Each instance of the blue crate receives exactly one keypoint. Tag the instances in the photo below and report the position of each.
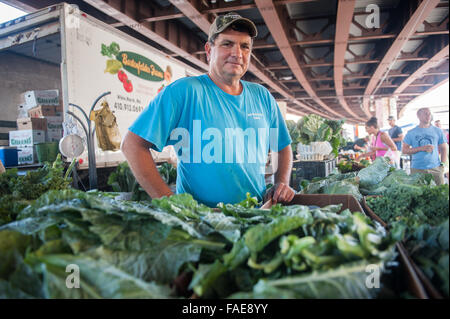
(9, 156)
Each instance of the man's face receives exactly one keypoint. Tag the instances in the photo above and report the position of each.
(230, 55)
(391, 122)
(437, 124)
(424, 116)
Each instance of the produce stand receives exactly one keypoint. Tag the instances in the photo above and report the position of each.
(420, 284)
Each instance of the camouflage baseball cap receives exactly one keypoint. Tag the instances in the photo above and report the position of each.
(222, 22)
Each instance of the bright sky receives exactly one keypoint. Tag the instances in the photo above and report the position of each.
(9, 13)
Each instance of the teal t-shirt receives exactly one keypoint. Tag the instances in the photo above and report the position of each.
(221, 140)
(420, 136)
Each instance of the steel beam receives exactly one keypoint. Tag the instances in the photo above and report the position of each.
(158, 33)
(342, 34)
(418, 17)
(193, 13)
(420, 72)
(278, 32)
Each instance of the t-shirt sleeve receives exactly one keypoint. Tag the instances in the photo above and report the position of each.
(441, 139)
(408, 139)
(279, 134)
(160, 117)
(399, 131)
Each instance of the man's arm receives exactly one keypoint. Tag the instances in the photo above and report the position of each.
(281, 192)
(408, 150)
(388, 141)
(140, 160)
(399, 138)
(443, 151)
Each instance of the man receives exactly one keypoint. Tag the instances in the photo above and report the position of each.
(422, 143)
(361, 144)
(210, 112)
(395, 132)
(396, 135)
(437, 123)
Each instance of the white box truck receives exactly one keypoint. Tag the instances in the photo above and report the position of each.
(94, 58)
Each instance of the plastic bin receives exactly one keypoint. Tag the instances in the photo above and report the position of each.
(47, 152)
(310, 169)
(9, 156)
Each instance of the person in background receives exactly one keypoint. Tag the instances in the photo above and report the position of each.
(361, 144)
(381, 142)
(396, 134)
(437, 123)
(422, 143)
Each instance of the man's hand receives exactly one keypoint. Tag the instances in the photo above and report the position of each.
(280, 192)
(428, 148)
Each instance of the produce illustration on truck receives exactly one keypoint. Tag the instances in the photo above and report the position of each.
(135, 64)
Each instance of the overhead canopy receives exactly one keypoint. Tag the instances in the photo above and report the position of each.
(329, 57)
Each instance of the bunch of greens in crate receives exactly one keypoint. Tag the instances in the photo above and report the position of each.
(314, 128)
(128, 249)
(300, 253)
(418, 214)
(136, 249)
(123, 180)
(18, 191)
(375, 179)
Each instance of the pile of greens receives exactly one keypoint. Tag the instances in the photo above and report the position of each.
(127, 249)
(419, 215)
(375, 179)
(18, 191)
(313, 128)
(123, 180)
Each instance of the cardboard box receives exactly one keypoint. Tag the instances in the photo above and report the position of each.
(54, 122)
(23, 110)
(27, 155)
(54, 135)
(33, 123)
(26, 138)
(42, 111)
(59, 110)
(44, 97)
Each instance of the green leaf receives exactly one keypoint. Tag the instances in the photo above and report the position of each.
(98, 279)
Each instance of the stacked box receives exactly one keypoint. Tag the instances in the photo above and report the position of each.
(54, 128)
(26, 138)
(25, 141)
(42, 111)
(34, 123)
(27, 155)
(44, 97)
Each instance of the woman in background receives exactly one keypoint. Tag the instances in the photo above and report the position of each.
(381, 142)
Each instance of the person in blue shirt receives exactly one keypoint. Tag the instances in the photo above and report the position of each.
(396, 135)
(422, 143)
(222, 128)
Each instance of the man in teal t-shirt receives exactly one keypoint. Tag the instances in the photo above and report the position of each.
(422, 143)
(221, 127)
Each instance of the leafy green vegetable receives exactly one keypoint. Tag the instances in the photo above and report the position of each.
(110, 51)
(418, 214)
(313, 128)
